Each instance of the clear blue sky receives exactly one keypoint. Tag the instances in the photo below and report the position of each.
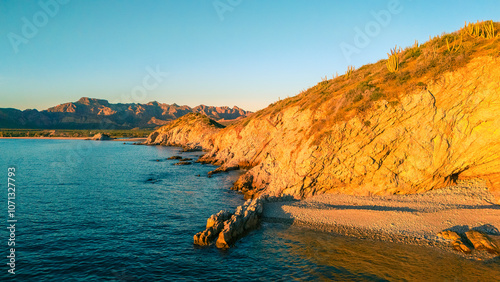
(216, 52)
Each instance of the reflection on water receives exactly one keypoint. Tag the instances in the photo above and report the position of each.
(327, 256)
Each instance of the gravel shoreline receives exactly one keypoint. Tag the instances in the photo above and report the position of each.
(412, 219)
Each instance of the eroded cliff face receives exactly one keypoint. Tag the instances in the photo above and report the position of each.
(435, 135)
(432, 137)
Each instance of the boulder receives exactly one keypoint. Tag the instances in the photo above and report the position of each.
(215, 224)
(449, 235)
(456, 241)
(482, 241)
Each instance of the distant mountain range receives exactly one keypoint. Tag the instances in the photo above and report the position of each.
(90, 113)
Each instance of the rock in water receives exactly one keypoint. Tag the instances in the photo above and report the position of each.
(245, 219)
(215, 224)
(183, 163)
(174, 158)
(227, 228)
(481, 241)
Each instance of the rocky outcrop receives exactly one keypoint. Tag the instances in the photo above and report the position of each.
(101, 137)
(245, 219)
(215, 224)
(228, 228)
(192, 132)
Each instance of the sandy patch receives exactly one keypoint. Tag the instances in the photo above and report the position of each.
(410, 218)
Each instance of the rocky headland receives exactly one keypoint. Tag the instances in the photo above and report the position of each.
(193, 131)
(374, 131)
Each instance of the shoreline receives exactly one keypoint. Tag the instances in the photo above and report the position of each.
(411, 219)
(135, 139)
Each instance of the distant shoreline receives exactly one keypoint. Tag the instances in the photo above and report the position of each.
(135, 139)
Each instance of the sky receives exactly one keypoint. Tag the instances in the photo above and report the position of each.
(245, 53)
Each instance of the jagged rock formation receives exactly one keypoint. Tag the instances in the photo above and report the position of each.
(215, 224)
(90, 113)
(245, 219)
(228, 228)
(221, 113)
(192, 131)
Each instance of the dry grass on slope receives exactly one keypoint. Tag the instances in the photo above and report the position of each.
(354, 94)
(190, 119)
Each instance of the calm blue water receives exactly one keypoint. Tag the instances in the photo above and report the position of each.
(105, 211)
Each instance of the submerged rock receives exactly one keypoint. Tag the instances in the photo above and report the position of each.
(174, 158)
(183, 163)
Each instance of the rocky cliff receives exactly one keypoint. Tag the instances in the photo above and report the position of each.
(90, 113)
(435, 120)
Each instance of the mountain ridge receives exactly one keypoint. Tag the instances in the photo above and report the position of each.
(93, 113)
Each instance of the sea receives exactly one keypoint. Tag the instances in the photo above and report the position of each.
(113, 211)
